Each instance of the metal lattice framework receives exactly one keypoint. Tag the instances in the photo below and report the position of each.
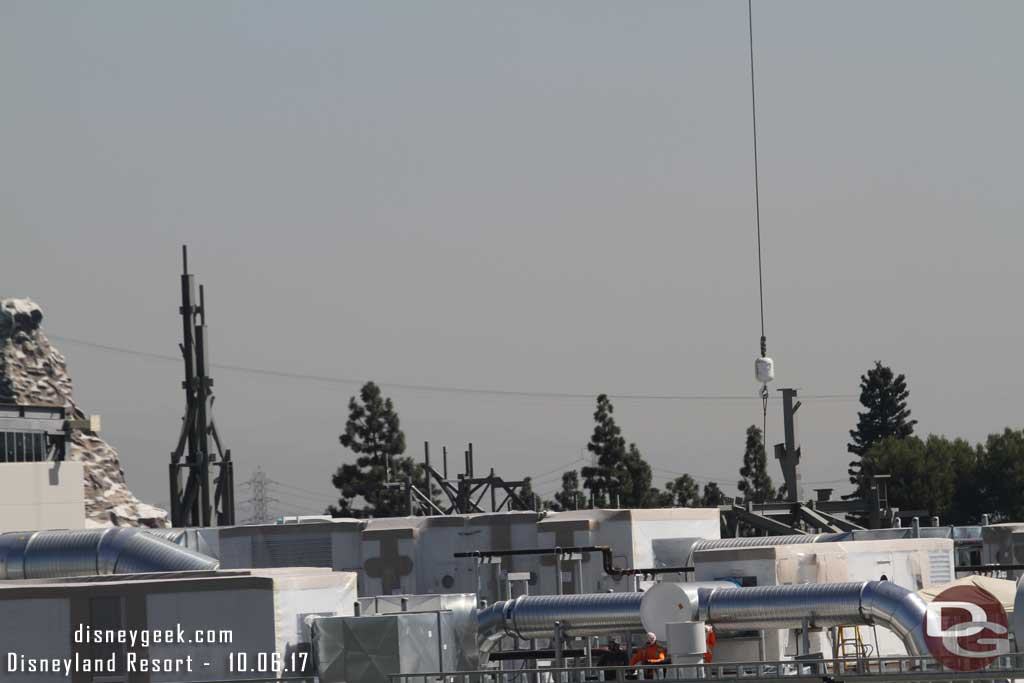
(466, 492)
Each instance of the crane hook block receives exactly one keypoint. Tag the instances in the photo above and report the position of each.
(764, 370)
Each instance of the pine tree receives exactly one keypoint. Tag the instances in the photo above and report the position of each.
(637, 483)
(685, 492)
(713, 496)
(884, 395)
(526, 496)
(608, 478)
(755, 484)
(374, 433)
(570, 496)
(1000, 475)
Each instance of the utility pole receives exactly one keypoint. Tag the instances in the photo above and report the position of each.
(788, 453)
(191, 505)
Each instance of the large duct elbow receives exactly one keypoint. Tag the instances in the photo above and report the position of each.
(93, 552)
(899, 610)
(490, 625)
(818, 605)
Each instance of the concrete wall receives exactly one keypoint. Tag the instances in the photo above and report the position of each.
(41, 495)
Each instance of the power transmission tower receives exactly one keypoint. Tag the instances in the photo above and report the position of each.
(259, 502)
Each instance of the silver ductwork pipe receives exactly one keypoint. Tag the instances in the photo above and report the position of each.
(689, 546)
(818, 605)
(534, 616)
(94, 552)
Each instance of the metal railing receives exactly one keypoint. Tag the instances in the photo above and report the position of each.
(874, 670)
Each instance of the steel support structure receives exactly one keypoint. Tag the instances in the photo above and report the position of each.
(792, 515)
(465, 493)
(788, 452)
(194, 504)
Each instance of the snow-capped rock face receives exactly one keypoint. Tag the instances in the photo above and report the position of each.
(32, 371)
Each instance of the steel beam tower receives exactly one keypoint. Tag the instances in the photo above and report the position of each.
(191, 505)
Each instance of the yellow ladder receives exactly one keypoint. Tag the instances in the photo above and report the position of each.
(851, 647)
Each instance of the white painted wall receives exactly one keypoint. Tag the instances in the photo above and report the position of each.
(41, 495)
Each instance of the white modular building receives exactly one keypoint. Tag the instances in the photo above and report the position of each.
(416, 555)
(631, 534)
(176, 626)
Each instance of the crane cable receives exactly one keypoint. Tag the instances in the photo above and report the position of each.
(757, 215)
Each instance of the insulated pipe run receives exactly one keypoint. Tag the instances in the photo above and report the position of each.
(94, 552)
(534, 616)
(819, 605)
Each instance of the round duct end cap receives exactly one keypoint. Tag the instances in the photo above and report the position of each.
(666, 603)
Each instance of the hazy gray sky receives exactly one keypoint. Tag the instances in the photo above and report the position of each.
(529, 196)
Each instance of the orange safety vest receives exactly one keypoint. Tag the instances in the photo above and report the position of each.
(648, 654)
(710, 642)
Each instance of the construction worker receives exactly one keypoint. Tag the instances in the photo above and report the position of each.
(613, 656)
(709, 641)
(650, 653)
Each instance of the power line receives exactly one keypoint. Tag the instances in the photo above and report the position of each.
(293, 499)
(326, 379)
(299, 510)
(299, 489)
(558, 470)
(549, 479)
(696, 477)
